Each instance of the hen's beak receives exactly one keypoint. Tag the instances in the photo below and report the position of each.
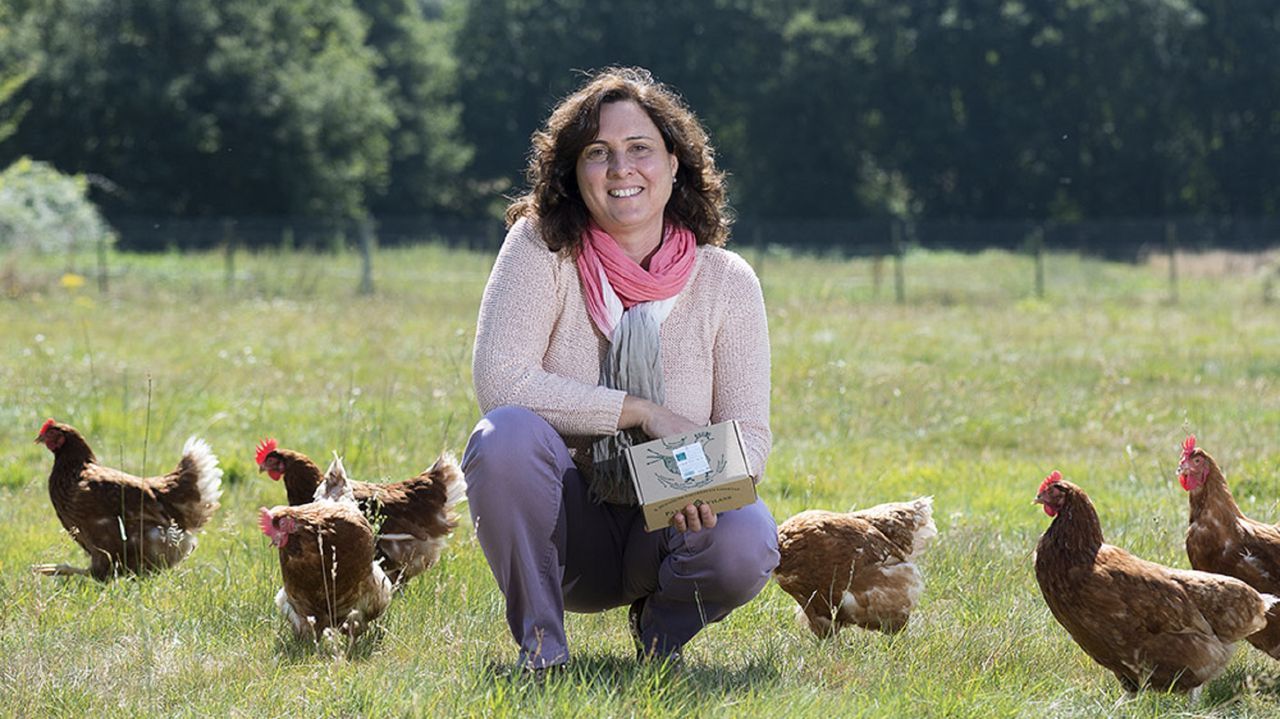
(1040, 500)
(39, 439)
(262, 468)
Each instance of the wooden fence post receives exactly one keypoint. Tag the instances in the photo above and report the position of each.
(1036, 242)
(102, 264)
(366, 256)
(877, 275)
(899, 250)
(1171, 246)
(229, 252)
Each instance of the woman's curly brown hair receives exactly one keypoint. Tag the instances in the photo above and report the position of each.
(697, 199)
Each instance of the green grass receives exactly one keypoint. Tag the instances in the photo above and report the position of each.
(971, 392)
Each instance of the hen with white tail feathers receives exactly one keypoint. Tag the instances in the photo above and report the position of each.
(127, 524)
(412, 518)
(332, 582)
(857, 567)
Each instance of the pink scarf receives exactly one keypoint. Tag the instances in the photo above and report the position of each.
(603, 266)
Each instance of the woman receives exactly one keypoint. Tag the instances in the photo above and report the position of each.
(612, 316)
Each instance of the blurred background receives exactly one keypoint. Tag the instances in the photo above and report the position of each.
(861, 126)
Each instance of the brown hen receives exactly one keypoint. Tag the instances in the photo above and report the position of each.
(412, 518)
(855, 568)
(1221, 539)
(1152, 626)
(332, 582)
(127, 524)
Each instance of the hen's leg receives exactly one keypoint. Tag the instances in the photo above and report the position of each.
(301, 626)
(818, 622)
(59, 570)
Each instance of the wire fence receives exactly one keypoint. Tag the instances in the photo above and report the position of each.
(1123, 240)
(884, 240)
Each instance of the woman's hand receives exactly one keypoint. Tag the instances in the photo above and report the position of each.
(694, 518)
(653, 419)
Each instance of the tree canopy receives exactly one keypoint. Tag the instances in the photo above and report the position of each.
(973, 109)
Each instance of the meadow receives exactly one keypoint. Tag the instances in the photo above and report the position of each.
(971, 391)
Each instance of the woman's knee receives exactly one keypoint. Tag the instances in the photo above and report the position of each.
(512, 450)
(508, 438)
(742, 553)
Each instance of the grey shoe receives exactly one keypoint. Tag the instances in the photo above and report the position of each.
(651, 653)
(633, 624)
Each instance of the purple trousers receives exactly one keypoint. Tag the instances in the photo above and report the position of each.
(553, 549)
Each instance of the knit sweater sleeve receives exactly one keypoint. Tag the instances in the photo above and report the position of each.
(518, 313)
(740, 386)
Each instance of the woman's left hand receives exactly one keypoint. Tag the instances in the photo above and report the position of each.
(694, 518)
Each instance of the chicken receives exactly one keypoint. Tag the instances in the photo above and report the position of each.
(127, 524)
(1221, 539)
(332, 582)
(1152, 626)
(856, 568)
(412, 518)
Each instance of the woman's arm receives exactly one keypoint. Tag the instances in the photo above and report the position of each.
(519, 309)
(740, 385)
(653, 419)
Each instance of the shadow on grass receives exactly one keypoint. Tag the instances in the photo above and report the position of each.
(613, 673)
(293, 649)
(1240, 681)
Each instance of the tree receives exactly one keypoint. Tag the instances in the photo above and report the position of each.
(16, 68)
(210, 108)
(419, 77)
(1234, 93)
(518, 57)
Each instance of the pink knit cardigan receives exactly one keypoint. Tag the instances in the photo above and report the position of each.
(536, 347)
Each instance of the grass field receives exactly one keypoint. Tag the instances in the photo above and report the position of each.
(971, 392)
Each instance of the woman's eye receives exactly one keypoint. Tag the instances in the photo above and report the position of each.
(640, 150)
(595, 154)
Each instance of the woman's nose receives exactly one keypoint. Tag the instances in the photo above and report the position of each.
(619, 165)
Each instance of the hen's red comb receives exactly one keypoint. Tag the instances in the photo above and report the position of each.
(1054, 476)
(264, 521)
(265, 447)
(1188, 446)
(45, 427)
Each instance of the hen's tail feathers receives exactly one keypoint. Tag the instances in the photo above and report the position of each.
(203, 463)
(335, 486)
(1270, 600)
(446, 471)
(925, 528)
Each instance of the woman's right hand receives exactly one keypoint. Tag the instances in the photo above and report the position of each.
(652, 418)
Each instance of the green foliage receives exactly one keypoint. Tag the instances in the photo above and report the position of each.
(974, 109)
(206, 107)
(939, 108)
(419, 77)
(518, 57)
(42, 210)
(16, 69)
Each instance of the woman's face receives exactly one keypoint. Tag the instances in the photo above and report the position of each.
(625, 174)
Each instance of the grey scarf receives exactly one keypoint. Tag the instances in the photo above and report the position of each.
(633, 364)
